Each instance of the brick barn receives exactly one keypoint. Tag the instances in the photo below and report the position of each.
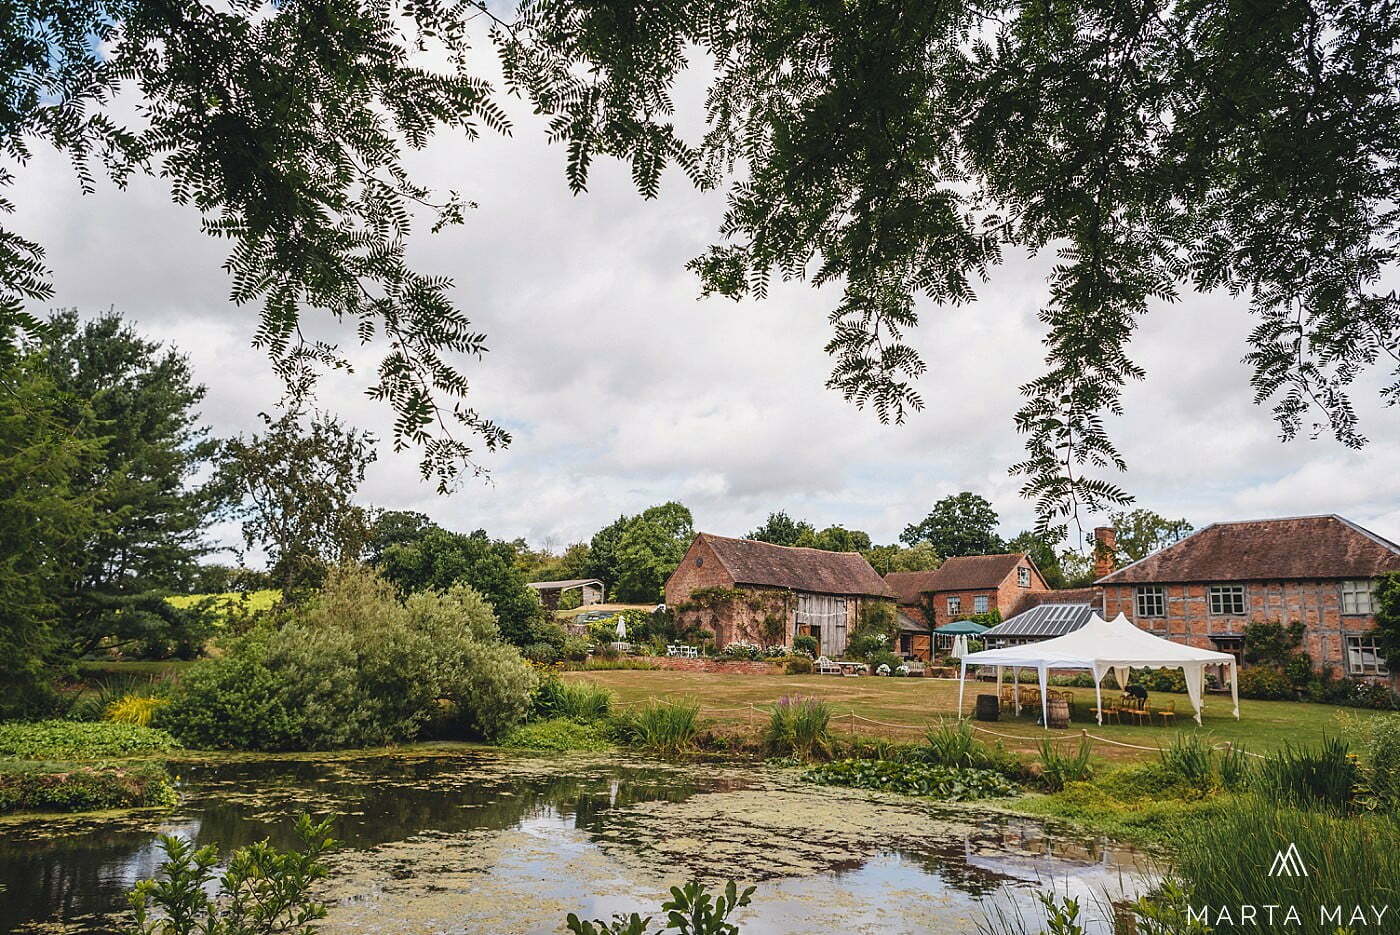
(1317, 570)
(757, 592)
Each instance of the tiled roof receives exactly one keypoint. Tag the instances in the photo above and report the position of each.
(762, 563)
(1297, 548)
(963, 573)
(1045, 621)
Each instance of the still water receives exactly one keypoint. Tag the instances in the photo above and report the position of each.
(488, 843)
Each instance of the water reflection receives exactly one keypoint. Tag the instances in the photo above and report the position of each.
(569, 838)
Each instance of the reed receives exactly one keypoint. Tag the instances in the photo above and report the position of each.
(799, 727)
(665, 727)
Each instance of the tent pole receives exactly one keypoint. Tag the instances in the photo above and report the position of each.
(962, 680)
(1016, 688)
(1098, 696)
(1235, 687)
(1044, 702)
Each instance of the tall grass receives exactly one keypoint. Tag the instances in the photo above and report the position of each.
(1307, 777)
(665, 727)
(1236, 769)
(1191, 759)
(799, 727)
(1058, 768)
(581, 701)
(1350, 860)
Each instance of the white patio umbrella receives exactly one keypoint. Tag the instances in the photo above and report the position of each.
(959, 646)
(621, 627)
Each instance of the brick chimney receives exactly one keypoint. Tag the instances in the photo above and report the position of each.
(1105, 551)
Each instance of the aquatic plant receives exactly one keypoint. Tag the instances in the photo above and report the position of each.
(1191, 759)
(1310, 777)
(263, 890)
(1377, 740)
(581, 700)
(1236, 769)
(79, 787)
(665, 727)
(799, 727)
(691, 910)
(560, 735)
(948, 783)
(1057, 769)
(60, 740)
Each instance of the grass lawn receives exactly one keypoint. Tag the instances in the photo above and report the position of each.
(1264, 726)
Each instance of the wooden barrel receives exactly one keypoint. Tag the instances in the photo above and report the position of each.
(1057, 710)
(988, 708)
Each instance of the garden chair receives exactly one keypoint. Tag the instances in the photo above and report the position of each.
(1136, 708)
(672, 649)
(1108, 712)
(826, 667)
(915, 666)
(1167, 713)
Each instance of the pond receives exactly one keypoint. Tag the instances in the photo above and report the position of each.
(490, 842)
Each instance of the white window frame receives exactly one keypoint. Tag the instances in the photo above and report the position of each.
(954, 605)
(1359, 597)
(1217, 594)
(1155, 604)
(980, 604)
(1023, 576)
(1363, 656)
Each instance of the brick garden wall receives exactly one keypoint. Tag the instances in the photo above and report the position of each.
(746, 667)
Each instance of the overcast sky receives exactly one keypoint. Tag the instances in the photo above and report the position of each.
(623, 389)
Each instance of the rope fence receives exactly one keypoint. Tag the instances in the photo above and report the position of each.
(850, 718)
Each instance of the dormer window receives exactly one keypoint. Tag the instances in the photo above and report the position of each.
(1023, 576)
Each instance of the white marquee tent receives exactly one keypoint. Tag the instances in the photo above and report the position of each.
(1103, 646)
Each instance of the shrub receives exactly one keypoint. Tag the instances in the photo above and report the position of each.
(93, 703)
(805, 642)
(1322, 777)
(948, 783)
(134, 709)
(559, 734)
(71, 787)
(262, 889)
(1264, 684)
(668, 728)
(777, 651)
(355, 667)
(1157, 680)
(741, 650)
(581, 701)
(1191, 759)
(799, 727)
(575, 649)
(865, 645)
(1378, 739)
(885, 658)
(798, 665)
(542, 653)
(1058, 769)
(59, 740)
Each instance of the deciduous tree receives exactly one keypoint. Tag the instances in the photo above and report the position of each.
(963, 524)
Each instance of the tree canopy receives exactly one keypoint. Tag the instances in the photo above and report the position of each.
(143, 398)
(896, 149)
(1141, 532)
(962, 524)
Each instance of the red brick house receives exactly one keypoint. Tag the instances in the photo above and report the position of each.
(1317, 570)
(961, 587)
(757, 592)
